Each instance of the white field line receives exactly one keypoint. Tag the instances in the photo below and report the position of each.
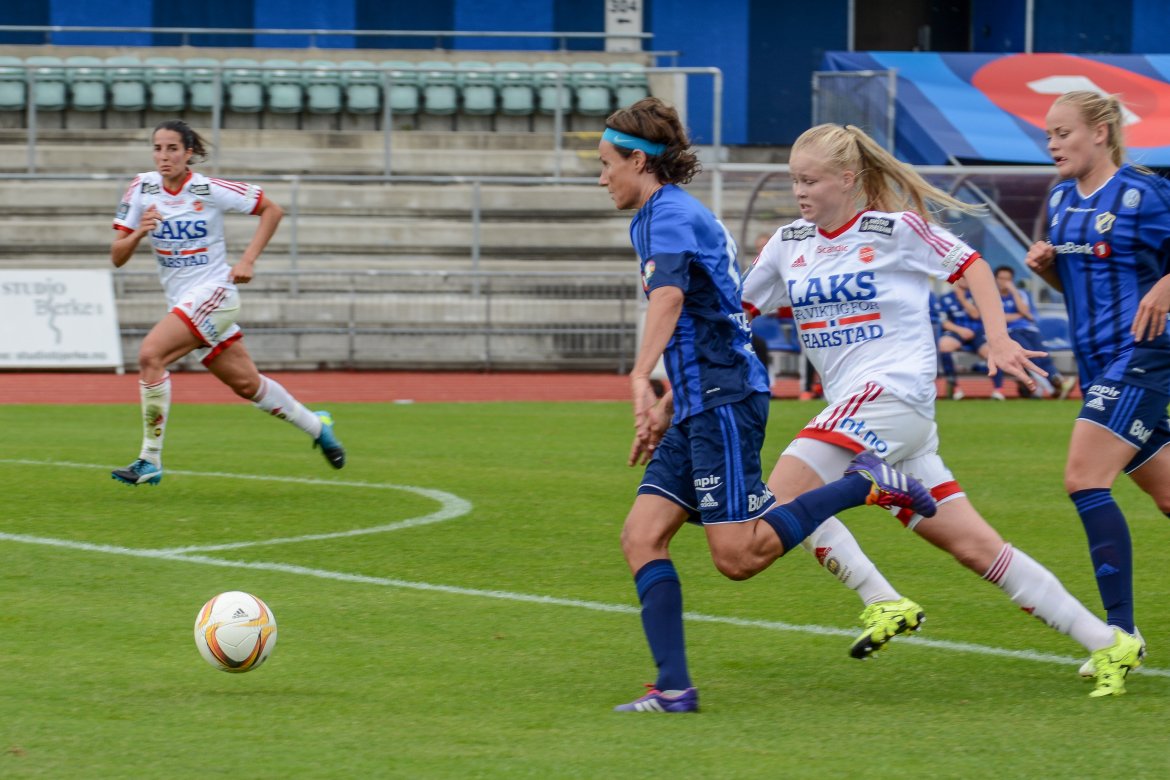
(450, 506)
(502, 595)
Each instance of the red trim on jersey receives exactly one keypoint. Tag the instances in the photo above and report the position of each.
(831, 437)
(784, 312)
(238, 187)
(859, 318)
(814, 324)
(963, 268)
(259, 200)
(182, 315)
(123, 228)
(750, 309)
(182, 184)
(220, 347)
(843, 228)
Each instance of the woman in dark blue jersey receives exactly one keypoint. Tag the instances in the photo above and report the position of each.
(701, 441)
(1108, 251)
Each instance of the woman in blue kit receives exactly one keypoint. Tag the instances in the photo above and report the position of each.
(1108, 252)
(701, 441)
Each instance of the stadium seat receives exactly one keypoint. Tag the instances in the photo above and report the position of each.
(477, 87)
(127, 83)
(363, 86)
(546, 75)
(404, 95)
(87, 83)
(13, 84)
(515, 85)
(629, 83)
(244, 85)
(590, 82)
(1054, 334)
(286, 93)
(50, 91)
(322, 83)
(780, 336)
(165, 80)
(439, 87)
(200, 78)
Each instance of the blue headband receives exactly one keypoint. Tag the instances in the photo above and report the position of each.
(626, 141)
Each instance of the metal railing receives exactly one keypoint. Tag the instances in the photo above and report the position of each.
(186, 34)
(421, 319)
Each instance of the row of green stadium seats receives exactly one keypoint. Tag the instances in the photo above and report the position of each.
(126, 83)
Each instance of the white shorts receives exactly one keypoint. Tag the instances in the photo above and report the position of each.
(883, 424)
(211, 311)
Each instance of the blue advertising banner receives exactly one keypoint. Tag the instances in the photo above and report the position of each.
(991, 107)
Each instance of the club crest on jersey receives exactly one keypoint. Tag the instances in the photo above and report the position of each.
(1104, 222)
(149, 189)
(798, 233)
(866, 254)
(883, 225)
(197, 205)
(1054, 201)
(1131, 199)
(200, 189)
(647, 272)
(123, 210)
(798, 262)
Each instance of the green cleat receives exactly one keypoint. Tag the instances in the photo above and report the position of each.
(883, 621)
(1114, 662)
(1088, 670)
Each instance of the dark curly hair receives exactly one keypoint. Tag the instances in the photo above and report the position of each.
(655, 121)
(191, 139)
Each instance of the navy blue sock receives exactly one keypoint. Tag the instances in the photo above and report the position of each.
(661, 595)
(1111, 551)
(948, 366)
(795, 520)
(997, 380)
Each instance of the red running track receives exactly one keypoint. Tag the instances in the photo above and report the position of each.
(313, 387)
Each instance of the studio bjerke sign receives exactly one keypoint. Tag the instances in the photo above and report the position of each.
(58, 319)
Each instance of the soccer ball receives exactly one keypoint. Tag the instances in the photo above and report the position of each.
(235, 631)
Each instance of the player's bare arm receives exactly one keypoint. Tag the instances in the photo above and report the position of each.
(1040, 259)
(1150, 321)
(1004, 353)
(127, 241)
(270, 215)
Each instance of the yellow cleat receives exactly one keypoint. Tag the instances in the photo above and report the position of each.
(1113, 663)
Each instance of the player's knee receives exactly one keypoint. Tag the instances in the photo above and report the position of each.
(639, 542)
(733, 566)
(245, 387)
(149, 357)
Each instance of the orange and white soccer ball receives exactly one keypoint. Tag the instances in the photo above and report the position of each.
(235, 631)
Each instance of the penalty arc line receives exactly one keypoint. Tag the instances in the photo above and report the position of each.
(595, 606)
(451, 506)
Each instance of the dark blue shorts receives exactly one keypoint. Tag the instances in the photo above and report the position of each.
(1135, 414)
(973, 345)
(709, 464)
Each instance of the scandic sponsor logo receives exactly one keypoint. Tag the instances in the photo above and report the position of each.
(832, 249)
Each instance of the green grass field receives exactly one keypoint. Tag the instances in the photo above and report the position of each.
(490, 634)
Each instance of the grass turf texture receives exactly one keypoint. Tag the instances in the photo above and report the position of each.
(99, 676)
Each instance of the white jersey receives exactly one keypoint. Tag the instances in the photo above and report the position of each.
(189, 243)
(860, 297)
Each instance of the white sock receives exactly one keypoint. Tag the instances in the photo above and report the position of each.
(156, 408)
(1037, 591)
(835, 549)
(278, 402)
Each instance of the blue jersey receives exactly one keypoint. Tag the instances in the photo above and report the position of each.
(950, 308)
(1009, 307)
(1111, 248)
(709, 359)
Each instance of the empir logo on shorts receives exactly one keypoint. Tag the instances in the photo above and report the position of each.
(709, 482)
(870, 439)
(1099, 394)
